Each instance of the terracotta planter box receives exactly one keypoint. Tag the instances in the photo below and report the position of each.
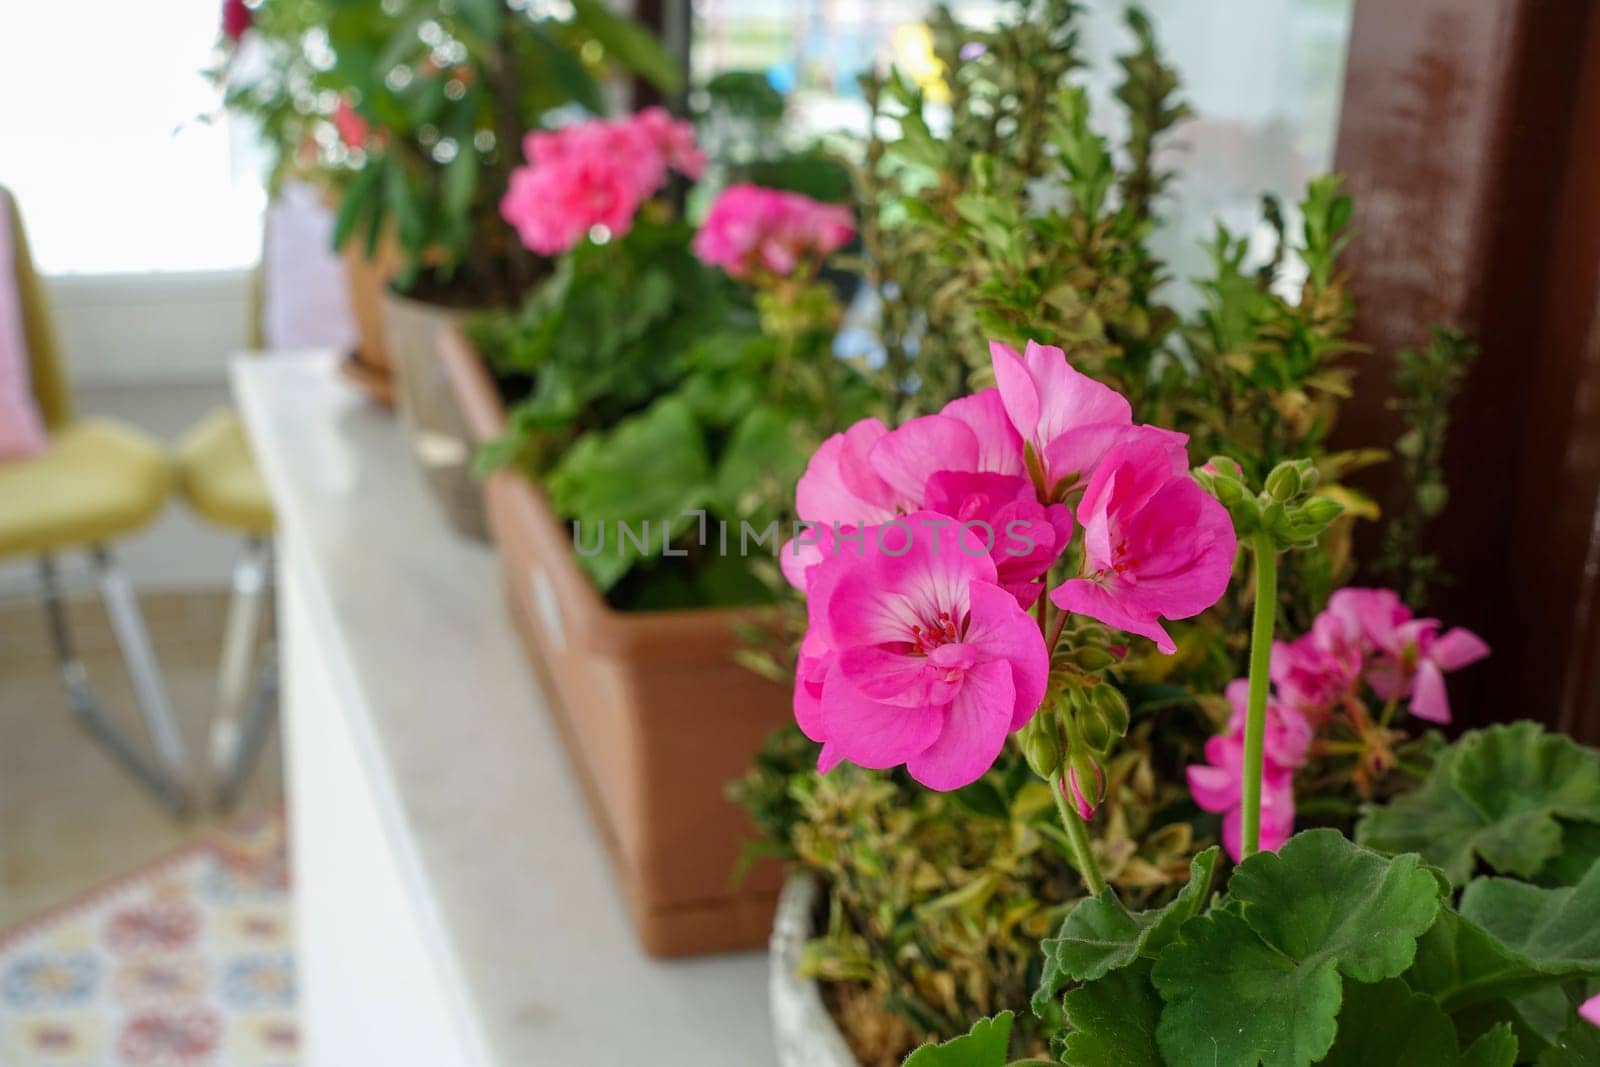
(656, 715)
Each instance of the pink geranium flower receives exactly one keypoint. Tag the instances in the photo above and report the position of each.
(674, 139)
(1217, 787)
(592, 175)
(1590, 1010)
(1413, 660)
(916, 655)
(1156, 545)
(751, 231)
(351, 126)
(1068, 420)
(964, 462)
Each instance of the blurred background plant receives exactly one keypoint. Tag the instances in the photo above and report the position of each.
(414, 111)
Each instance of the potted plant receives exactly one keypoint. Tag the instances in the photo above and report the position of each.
(973, 262)
(643, 419)
(417, 112)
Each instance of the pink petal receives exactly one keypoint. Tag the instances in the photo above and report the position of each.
(974, 732)
(1233, 833)
(1214, 789)
(1001, 631)
(829, 758)
(909, 455)
(883, 592)
(1096, 601)
(1068, 398)
(999, 444)
(1372, 614)
(839, 484)
(1429, 699)
(895, 678)
(1081, 449)
(871, 734)
(1456, 648)
(1590, 1010)
(1018, 393)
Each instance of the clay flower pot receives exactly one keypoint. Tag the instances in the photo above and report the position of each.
(656, 715)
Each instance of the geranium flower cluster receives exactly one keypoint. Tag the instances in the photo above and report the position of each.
(921, 549)
(751, 230)
(1365, 639)
(594, 175)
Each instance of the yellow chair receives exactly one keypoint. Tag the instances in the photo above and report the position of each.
(218, 476)
(96, 482)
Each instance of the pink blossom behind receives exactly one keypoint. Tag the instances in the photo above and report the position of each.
(751, 231)
(594, 174)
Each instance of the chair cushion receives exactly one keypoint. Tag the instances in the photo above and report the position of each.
(97, 481)
(218, 475)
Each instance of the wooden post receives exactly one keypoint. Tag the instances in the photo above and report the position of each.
(1470, 138)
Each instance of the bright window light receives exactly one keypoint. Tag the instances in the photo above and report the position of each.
(103, 143)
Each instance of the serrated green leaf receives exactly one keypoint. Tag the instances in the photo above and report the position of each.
(1100, 935)
(1555, 928)
(1459, 964)
(1385, 1024)
(1261, 980)
(1234, 1000)
(1114, 1021)
(988, 1044)
(1496, 795)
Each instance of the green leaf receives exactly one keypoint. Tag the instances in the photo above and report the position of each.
(1496, 1048)
(650, 469)
(761, 450)
(353, 204)
(1578, 1046)
(1555, 928)
(564, 70)
(1114, 1021)
(630, 44)
(987, 1045)
(1495, 795)
(1459, 964)
(1263, 983)
(1385, 1024)
(1099, 935)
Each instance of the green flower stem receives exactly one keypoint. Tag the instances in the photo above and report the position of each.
(1255, 728)
(1080, 852)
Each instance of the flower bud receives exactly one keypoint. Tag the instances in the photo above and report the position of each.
(1041, 745)
(1320, 511)
(1283, 484)
(1083, 771)
(1112, 707)
(1223, 467)
(1091, 658)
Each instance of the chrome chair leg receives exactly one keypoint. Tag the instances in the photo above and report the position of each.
(238, 732)
(166, 778)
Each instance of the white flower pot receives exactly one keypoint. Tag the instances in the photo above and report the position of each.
(806, 1034)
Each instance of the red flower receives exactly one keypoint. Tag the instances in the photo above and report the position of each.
(236, 18)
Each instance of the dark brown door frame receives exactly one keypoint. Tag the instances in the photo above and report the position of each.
(1470, 137)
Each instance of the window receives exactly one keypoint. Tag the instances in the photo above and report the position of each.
(102, 140)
